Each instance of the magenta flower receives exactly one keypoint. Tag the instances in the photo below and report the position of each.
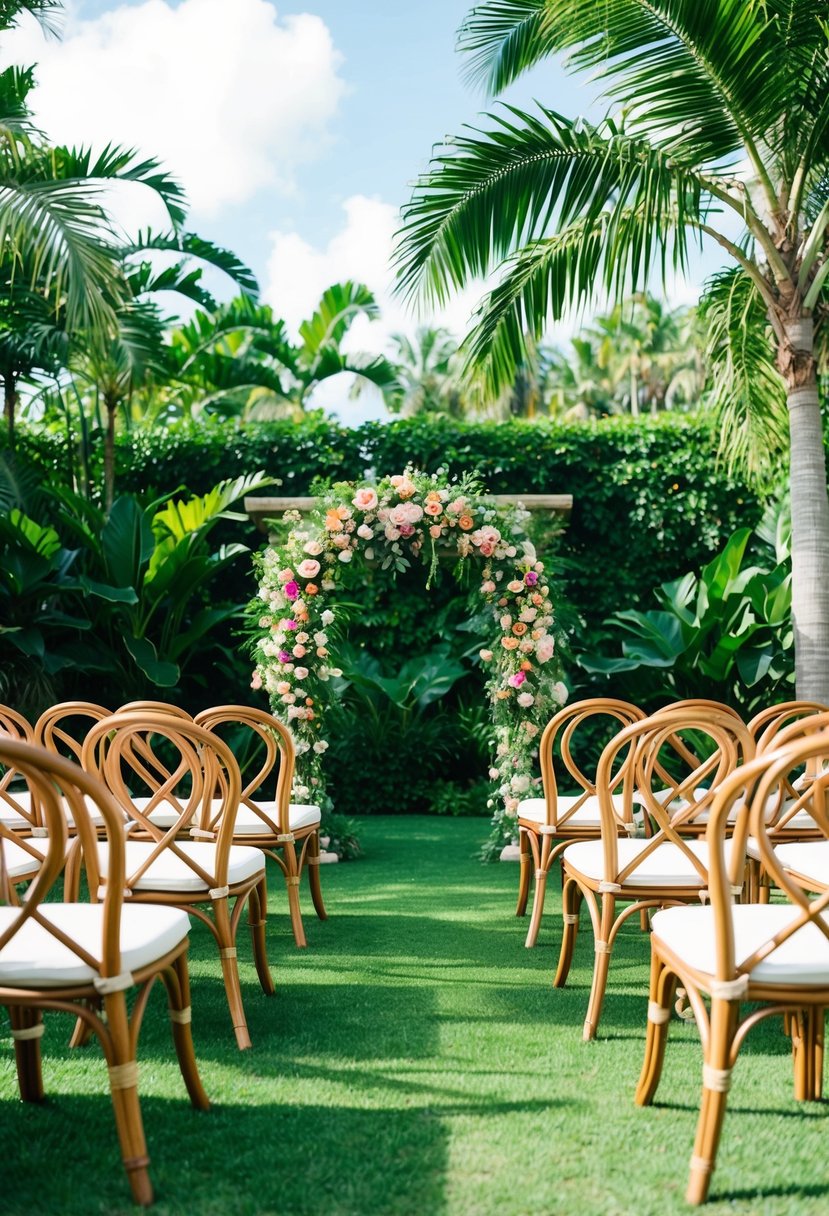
(285, 656)
(530, 578)
(518, 679)
(290, 624)
(291, 590)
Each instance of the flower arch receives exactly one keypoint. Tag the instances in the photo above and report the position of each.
(395, 522)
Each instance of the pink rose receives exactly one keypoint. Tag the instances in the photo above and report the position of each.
(284, 656)
(285, 575)
(406, 530)
(365, 499)
(301, 673)
(486, 655)
(435, 531)
(433, 508)
(308, 569)
(525, 700)
(531, 578)
(405, 513)
(299, 651)
(291, 590)
(392, 533)
(515, 586)
(487, 549)
(282, 687)
(314, 547)
(487, 587)
(256, 681)
(544, 650)
(365, 532)
(518, 679)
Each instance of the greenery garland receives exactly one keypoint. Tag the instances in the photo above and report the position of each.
(412, 516)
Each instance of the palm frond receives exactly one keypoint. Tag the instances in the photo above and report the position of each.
(339, 306)
(47, 12)
(747, 393)
(195, 246)
(489, 193)
(503, 39)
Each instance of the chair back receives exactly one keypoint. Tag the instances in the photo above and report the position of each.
(115, 750)
(559, 766)
(749, 791)
(63, 728)
(17, 809)
(789, 814)
(682, 808)
(276, 751)
(766, 725)
(58, 786)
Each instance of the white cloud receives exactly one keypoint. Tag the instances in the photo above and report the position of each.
(231, 96)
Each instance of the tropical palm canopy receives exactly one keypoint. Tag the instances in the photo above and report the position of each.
(717, 128)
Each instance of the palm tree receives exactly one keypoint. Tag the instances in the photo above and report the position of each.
(722, 119)
(428, 372)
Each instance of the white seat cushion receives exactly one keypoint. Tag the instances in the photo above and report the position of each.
(802, 959)
(18, 861)
(534, 810)
(666, 866)
(34, 958)
(171, 873)
(247, 823)
(301, 815)
(809, 859)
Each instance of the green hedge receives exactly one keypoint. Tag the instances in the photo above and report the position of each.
(650, 500)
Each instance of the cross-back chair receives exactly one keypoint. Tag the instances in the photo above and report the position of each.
(287, 832)
(668, 863)
(16, 810)
(775, 955)
(547, 825)
(78, 957)
(208, 876)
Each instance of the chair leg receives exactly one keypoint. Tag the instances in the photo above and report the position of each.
(715, 1084)
(177, 981)
(807, 1040)
(539, 892)
(312, 861)
(292, 883)
(601, 966)
(123, 1084)
(661, 995)
(571, 897)
(525, 873)
(230, 973)
(27, 1029)
(257, 917)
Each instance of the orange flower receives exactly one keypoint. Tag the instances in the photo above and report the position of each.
(466, 522)
(343, 513)
(333, 522)
(519, 629)
(509, 643)
(311, 589)
(526, 665)
(309, 700)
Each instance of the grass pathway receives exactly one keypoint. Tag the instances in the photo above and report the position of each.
(415, 1062)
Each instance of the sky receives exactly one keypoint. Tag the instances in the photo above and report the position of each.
(296, 129)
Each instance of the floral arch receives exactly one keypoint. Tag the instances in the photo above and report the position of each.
(393, 523)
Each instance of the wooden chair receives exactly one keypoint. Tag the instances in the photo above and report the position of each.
(163, 869)
(72, 957)
(666, 865)
(776, 955)
(278, 826)
(547, 825)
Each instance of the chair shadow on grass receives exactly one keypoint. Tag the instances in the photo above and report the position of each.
(243, 1158)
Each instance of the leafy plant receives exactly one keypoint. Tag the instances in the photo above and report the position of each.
(725, 632)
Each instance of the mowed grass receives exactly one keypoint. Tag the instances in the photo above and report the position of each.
(416, 1060)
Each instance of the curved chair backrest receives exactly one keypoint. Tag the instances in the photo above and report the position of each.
(279, 754)
(748, 792)
(558, 737)
(63, 728)
(768, 723)
(154, 771)
(17, 809)
(791, 816)
(114, 750)
(59, 786)
(687, 807)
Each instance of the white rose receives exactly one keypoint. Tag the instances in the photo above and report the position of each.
(327, 617)
(344, 555)
(301, 673)
(320, 746)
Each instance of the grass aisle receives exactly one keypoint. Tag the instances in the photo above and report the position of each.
(415, 1062)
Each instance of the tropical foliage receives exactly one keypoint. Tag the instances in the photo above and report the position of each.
(717, 117)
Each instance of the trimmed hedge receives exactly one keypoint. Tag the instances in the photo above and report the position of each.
(650, 500)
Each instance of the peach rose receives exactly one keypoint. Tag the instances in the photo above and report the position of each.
(309, 568)
(333, 522)
(466, 522)
(509, 643)
(365, 499)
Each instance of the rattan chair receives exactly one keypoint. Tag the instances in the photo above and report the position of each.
(773, 954)
(16, 810)
(666, 865)
(547, 825)
(208, 869)
(287, 832)
(75, 958)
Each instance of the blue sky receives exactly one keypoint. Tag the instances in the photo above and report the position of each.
(296, 128)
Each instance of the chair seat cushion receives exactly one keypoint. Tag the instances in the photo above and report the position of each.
(11, 818)
(809, 859)
(802, 959)
(34, 958)
(18, 861)
(588, 815)
(247, 823)
(171, 873)
(300, 816)
(666, 866)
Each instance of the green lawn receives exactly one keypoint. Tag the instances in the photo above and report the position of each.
(416, 1060)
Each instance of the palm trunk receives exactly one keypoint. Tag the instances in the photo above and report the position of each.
(810, 515)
